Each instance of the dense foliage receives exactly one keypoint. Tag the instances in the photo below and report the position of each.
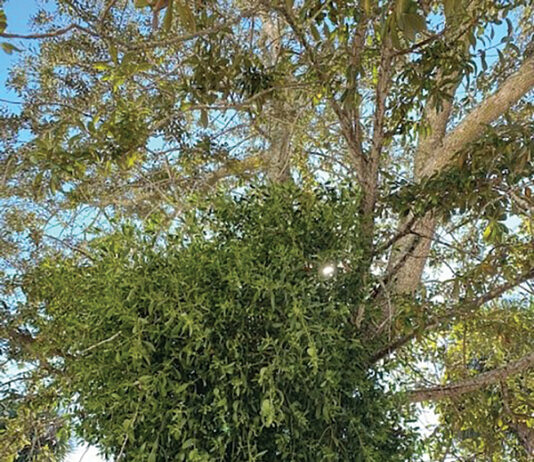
(32, 431)
(490, 421)
(226, 342)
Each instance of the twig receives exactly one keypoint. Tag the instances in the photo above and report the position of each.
(55, 33)
(84, 454)
(123, 446)
(108, 7)
(102, 342)
(70, 246)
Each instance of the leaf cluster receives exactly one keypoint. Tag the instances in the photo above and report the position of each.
(222, 341)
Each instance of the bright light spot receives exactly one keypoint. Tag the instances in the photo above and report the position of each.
(327, 270)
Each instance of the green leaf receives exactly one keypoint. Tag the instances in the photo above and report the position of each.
(489, 231)
(101, 66)
(451, 7)
(267, 412)
(391, 28)
(3, 21)
(204, 120)
(416, 21)
(402, 7)
(113, 53)
(367, 7)
(9, 48)
(153, 454)
(411, 24)
(315, 32)
(314, 358)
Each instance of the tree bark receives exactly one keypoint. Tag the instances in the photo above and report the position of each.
(436, 152)
(281, 117)
(413, 249)
(473, 384)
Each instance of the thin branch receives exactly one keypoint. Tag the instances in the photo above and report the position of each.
(70, 246)
(55, 33)
(356, 53)
(7, 101)
(404, 229)
(400, 342)
(107, 9)
(432, 37)
(102, 342)
(346, 124)
(186, 37)
(458, 309)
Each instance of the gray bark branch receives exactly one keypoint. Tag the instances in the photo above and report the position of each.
(474, 124)
(480, 381)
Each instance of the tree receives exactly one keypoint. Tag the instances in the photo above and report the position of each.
(126, 121)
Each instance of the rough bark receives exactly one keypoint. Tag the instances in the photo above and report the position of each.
(437, 151)
(473, 384)
(413, 249)
(280, 133)
(408, 257)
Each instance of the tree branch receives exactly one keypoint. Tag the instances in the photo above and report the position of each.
(377, 141)
(70, 246)
(473, 384)
(186, 37)
(355, 53)
(55, 33)
(102, 342)
(346, 124)
(473, 125)
(107, 9)
(458, 309)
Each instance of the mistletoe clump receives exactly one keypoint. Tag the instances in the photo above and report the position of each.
(225, 341)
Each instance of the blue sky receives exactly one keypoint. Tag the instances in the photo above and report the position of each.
(18, 13)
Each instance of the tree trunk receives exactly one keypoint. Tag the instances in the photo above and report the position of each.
(409, 256)
(436, 152)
